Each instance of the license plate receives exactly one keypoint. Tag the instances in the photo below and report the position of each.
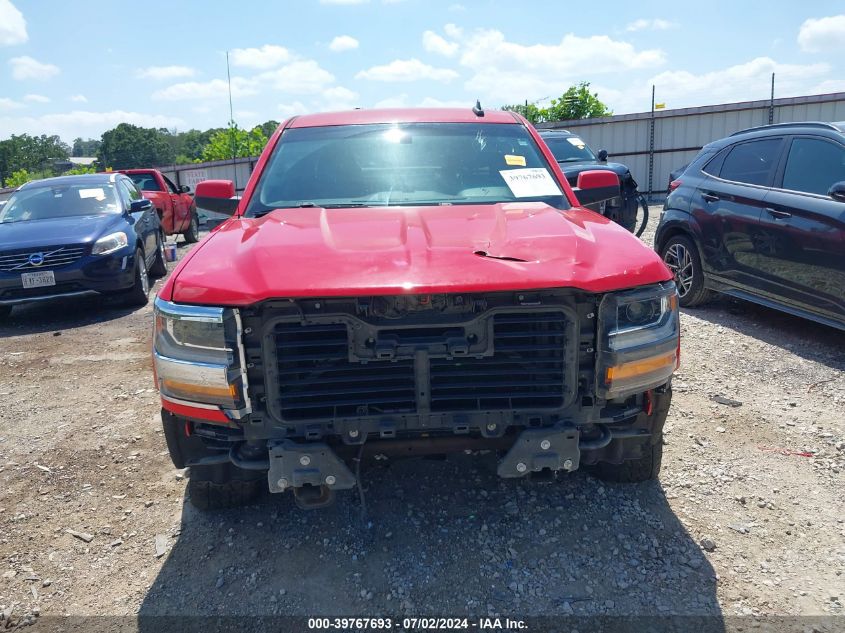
(39, 279)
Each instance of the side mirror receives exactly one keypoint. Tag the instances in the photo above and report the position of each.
(217, 196)
(837, 191)
(137, 206)
(184, 189)
(596, 185)
(603, 155)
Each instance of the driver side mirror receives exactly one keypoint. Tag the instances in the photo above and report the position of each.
(837, 191)
(217, 196)
(596, 185)
(137, 206)
(184, 189)
(603, 155)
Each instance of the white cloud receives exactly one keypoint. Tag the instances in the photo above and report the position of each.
(33, 98)
(86, 124)
(300, 77)
(343, 43)
(398, 101)
(12, 25)
(79, 99)
(457, 8)
(289, 109)
(655, 24)
(433, 43)
(216, 88)
(431, 102)
(9, 104)
(339, 98)
(817, 35)
(165, 72)
(26, 67)
(407, 70)
(268, 56)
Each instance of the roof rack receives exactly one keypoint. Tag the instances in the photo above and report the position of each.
(773, 126)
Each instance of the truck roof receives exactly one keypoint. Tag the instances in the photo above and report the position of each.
(403, 115)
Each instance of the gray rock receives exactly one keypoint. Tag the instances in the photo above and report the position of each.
(82, 536)
(708, 544)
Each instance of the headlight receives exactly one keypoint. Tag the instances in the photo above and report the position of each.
(198, 356)
(110, 243)
(639, 335)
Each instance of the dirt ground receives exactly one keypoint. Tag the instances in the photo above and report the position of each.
(747, 518)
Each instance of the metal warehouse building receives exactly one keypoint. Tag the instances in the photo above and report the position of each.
(679, 134)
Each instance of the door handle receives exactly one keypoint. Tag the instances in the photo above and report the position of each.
(778, 215)
(709, 197)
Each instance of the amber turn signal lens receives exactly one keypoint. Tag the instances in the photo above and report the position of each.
(191, 391)
(641, 367)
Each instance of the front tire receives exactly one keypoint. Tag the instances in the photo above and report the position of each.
(681, 257)
(159, 267)
(222, 486)
(192, 234)
(139, 294)
(645, 468)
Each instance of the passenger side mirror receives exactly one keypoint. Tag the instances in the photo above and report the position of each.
(137, 206)
(837, 191)
(185, 189)
(217, 196)
(603, 155)
(596, 185)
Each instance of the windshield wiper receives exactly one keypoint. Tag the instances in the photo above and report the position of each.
(313, 205)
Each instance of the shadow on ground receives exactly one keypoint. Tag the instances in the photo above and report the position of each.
(441, 538)
(63, 314)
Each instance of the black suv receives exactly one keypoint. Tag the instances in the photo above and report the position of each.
(760, 215)
(574, 156)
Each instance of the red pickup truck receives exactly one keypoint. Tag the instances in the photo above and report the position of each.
(408, 282)
(175, 206)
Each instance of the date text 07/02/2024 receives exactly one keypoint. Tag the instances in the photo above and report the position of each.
(414, 624)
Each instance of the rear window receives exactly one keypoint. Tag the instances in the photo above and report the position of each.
(145, 182)
(569, 149)
(403, 165)
(753, 162)
(60, 201)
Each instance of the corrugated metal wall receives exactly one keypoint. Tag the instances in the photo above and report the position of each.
(679, 134)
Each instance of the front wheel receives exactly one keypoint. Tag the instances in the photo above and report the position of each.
(222, 486)
(192, 234)
(139, 294)
(637, 470)
(681, 257)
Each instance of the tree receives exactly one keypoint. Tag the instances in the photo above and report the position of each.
(222, 143)
(576, 103)
(268, 127)
(128, 146)
(30, 153)
(85, 148)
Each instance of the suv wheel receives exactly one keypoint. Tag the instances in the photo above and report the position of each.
(681, 257)
(139, 294)
(222, 486)
(159, 267)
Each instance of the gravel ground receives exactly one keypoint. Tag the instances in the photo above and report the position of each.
(746, 518)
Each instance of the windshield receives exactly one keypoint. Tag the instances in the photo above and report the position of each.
(569, 149)
(60, 201)
(403, 165)
(145, 182)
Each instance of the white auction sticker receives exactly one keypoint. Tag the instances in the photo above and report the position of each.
(527, 183)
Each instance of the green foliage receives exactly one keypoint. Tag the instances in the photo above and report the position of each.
(576, 103)
(23, 176)
(224, 144)
(82, 169)
(128, 146)
(30, 153)
(85, 148)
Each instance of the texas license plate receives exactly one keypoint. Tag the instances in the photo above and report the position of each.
(39, 279)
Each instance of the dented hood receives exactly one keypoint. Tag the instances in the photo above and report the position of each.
(428, 249)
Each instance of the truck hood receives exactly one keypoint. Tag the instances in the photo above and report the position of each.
(396, 250)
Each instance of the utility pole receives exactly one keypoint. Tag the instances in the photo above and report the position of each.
(772, 102)
(232, 126)
(651, 146)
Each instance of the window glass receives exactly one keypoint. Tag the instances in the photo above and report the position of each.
(130, 190)
(569, 149)
(814, 165)
(170, 185)
(146, 182)
(752, 162)
(405, 164)
(714, 166)
(53, 200)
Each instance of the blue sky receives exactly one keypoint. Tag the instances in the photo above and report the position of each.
(79, 68)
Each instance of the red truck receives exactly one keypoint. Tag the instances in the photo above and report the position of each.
(175, 205)
(408, 282)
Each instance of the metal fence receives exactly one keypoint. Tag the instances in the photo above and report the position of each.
(679, 134)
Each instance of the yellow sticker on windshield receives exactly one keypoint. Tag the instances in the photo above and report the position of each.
(515, 161)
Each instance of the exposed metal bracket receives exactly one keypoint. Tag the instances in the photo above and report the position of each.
(539, 449)
(294, 465)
